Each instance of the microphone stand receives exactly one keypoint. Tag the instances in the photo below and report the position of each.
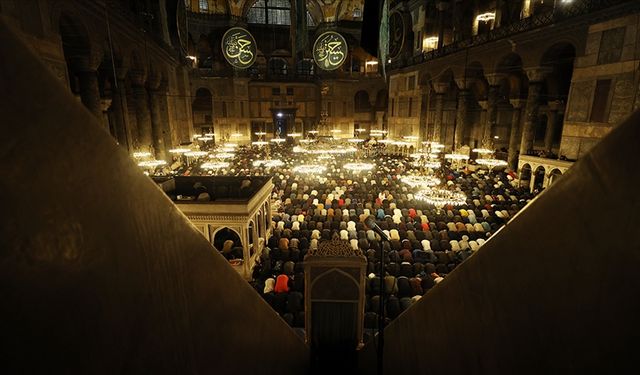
(380, 353)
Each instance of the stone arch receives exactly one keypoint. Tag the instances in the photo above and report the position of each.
(553, 175)
(348, 282)
(202, 110)
(204, 51)
(361, 101)
(514, 81)
(278, 66)
(560, 56)
(525, 174)
(539, 176)
(221, 234)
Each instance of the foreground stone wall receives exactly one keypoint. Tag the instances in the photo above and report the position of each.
(99, 272)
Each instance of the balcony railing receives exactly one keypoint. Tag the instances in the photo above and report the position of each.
(560, 13)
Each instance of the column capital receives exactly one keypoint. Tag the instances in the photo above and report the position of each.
(83, 63)
(538, 73)
(484, 104)
(465, 83)
(517, 103)
(138, 77)
(557, 106)
(441, 88)
(494, 79)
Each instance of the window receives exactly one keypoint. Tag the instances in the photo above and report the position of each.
(203, 5)
(275, 91)
(600, 101)
(357, 13)
(411, 83)
(272, 12)
(289, 91)
(611, 45)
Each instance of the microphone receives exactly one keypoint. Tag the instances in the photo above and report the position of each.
(370, 222)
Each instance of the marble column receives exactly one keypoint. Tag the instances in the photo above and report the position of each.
(141, 106)
(554, 122)
(85, 68)
(157, 93)
(514, 135)
(120, 109)
(462, 117)
(532, 109)
(492, 105)
(423, 130)
(440, 90)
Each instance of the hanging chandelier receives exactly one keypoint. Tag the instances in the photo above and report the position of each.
(418, 181)
(196, 154)
(295, 135)
(492, 163)
(141, 154)
(223, 155)
(278, 140)
(259, 143)
(179, 150)
(482, 151)
(358, 167)
(309, 168)
(441, 197)
(456, 156)
(151, 163)
(268, 163)
(215, 165)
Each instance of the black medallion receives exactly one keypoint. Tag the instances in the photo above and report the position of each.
(396, 34)
(330, 50)
(239, 47)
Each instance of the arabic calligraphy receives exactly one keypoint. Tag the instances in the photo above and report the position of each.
(330, 50)
(239, 47)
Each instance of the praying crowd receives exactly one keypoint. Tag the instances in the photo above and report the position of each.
(427, 242)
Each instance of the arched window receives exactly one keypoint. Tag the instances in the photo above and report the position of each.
(272, 12)
(203, 5)
(305, 68)
(278, 66)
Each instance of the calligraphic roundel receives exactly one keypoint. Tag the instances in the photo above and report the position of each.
(239, 48)
(396, 34)
(330, 50)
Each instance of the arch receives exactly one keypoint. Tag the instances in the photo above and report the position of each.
(339, 278)
(538, 177)
(560, 56)
(278, 66)
(525, 174)
(221, 234)
(361, 101)
(74, 35)
(553, 175)
(202, 110)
